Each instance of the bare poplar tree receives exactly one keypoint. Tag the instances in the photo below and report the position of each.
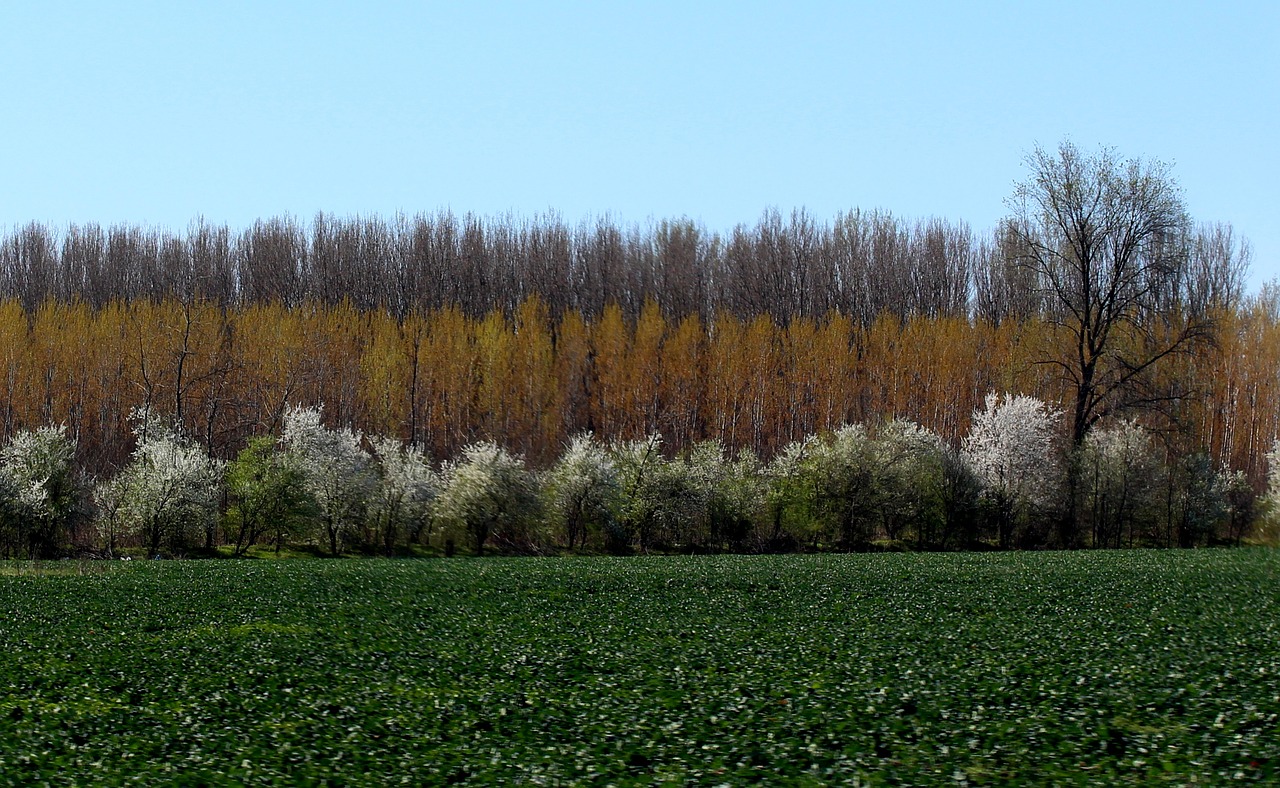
(1217, 267)
(1003, 289)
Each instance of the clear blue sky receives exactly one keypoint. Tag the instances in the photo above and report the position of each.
(158, 112)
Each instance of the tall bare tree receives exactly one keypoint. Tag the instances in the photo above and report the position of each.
(1105, 237)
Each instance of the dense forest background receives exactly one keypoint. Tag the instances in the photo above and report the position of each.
(442, 331)
(1090, 373)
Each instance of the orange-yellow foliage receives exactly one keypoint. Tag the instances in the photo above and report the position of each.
(531, 379)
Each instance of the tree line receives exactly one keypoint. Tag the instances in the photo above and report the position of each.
(673, 401)
(862, 264)
(442, 380)
(891, 485)
(1097, 295)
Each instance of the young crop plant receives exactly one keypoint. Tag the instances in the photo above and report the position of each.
(1090, 668)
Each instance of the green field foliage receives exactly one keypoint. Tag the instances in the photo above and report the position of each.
(948, 669)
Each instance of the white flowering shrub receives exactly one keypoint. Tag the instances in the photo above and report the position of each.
(1120, 478)
(639, 465)
(909, 476)
(168, 494)
(339, 474)
(784, 497)
(1012, 448)
(839, 487)
(961, 494)
(39, 491)
(662, 502)
(580, 492)
(1270, 504)
(1199, 506)
(1273, 472)
(851, 488)
(705, 470)
(488, 494)
(734, 495)
(1240, 504)
(407, 487)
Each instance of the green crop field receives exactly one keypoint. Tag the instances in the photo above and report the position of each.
(1070, 668)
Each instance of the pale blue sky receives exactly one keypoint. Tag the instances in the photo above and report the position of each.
(158, 112)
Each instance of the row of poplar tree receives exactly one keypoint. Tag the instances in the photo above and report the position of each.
(893, 485)
(861, 264)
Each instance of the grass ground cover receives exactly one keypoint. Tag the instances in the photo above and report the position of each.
(1074, 668)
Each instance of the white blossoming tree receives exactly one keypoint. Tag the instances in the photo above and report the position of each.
(1273, 472)
(1120, 478)
(840, 475)
(732, 492)
(488, 494)
(340, 475)
(407, 487)
(661, 501)
(580, 492)
(1270, 504)
(785, 494)
(167, 495)
(910, 477)
(1199, 503)
(1012, 448)
(1240, 504)
(851, 487)
(640, 465)
(38, 486)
